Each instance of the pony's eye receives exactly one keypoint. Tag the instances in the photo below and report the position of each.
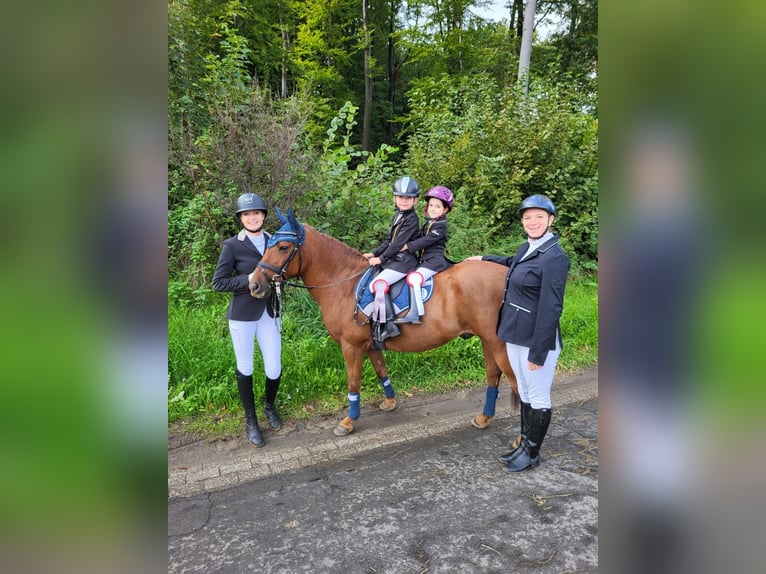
(283, 247)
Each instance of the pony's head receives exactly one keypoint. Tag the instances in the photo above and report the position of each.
(281, 248)
(292, 230)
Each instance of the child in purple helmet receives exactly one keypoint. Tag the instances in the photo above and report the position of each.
(431, 242)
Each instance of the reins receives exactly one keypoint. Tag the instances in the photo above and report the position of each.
(275, 276)
(333, 284)
(277, 280)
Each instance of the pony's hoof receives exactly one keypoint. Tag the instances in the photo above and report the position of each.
(388, 404)
(515, 444)
(344, 428)
(481, 421)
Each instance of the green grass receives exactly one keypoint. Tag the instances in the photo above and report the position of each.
(579, 324)
(202, 390)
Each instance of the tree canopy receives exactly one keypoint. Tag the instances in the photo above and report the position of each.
(269, 96)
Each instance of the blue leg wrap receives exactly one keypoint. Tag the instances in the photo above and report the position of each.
(489, 403)
(388, 388)
(353, 406)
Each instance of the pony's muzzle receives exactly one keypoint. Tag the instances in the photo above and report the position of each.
(259, 291)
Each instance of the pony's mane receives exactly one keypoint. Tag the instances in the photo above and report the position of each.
(344, 248)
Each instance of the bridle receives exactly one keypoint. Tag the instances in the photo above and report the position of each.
(277, 277)
(279, 274)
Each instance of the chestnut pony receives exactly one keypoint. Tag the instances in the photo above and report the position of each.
(465, 302)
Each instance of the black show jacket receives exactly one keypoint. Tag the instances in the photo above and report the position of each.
(404, 228)
(237, 260)
(534, 298)
(433, 241)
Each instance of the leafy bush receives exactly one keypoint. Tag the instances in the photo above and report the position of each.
(494, 146)
(351, 195)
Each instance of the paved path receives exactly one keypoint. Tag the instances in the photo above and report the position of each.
(209, 466)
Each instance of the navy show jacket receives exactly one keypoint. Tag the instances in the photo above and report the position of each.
(534, 298)
(433, 241)
(237, 260)
(404, 228)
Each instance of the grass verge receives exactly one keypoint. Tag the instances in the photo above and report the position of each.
(202, 390)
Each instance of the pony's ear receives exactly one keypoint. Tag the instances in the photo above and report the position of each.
(282, 218)
(300, 231)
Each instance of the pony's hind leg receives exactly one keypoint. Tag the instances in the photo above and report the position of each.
(483, 419)
(379, 364)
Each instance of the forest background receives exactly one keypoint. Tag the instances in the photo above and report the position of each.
(319, 105)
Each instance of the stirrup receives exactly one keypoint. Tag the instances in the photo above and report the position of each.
(411, 317)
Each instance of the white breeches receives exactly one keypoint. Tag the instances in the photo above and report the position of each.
(534, 386)
(243, 335)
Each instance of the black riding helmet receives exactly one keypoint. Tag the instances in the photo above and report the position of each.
(407, 187)
(539, 202)
(250, 202)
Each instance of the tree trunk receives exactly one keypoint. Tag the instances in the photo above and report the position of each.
(389, 131)
(367, 118)
(569, 43)
(285, 47)
(526, 43)
(517, 17)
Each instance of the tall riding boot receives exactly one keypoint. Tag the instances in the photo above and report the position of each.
(245, 387)
(412, 315)
(529, 451)
(383, 331)
(389, 329)
(272, 386)
(524, 411)
(376, 334)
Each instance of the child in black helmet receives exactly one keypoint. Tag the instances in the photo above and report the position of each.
(405, 225)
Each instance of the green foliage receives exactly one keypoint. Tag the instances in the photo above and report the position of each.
(195, 232)
(494, 146)
(251, 143)
(350, 199)
(579, 323)
(326, 45)
(199, 361)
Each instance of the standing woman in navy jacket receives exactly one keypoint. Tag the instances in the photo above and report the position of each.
(250, 318)
(529, 324)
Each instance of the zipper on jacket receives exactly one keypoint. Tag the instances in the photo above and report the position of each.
(519, 307)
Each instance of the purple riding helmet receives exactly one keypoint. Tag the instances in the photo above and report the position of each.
(443, 193)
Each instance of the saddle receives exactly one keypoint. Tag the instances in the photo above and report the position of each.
(398, 294)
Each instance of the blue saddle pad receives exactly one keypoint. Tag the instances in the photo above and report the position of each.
(399, 293)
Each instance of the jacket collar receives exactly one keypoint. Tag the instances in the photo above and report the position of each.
(242, 236)
(542, 249)
(548, 244)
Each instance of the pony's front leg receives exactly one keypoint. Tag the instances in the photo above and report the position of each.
(353, 357)
(379, 364)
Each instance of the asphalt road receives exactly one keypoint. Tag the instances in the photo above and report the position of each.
(439, 504)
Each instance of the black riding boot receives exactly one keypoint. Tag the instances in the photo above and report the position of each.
(529, 451)
(245, 387)
(383, 331)
(524, 412)
(390, 329)
(272, 386)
